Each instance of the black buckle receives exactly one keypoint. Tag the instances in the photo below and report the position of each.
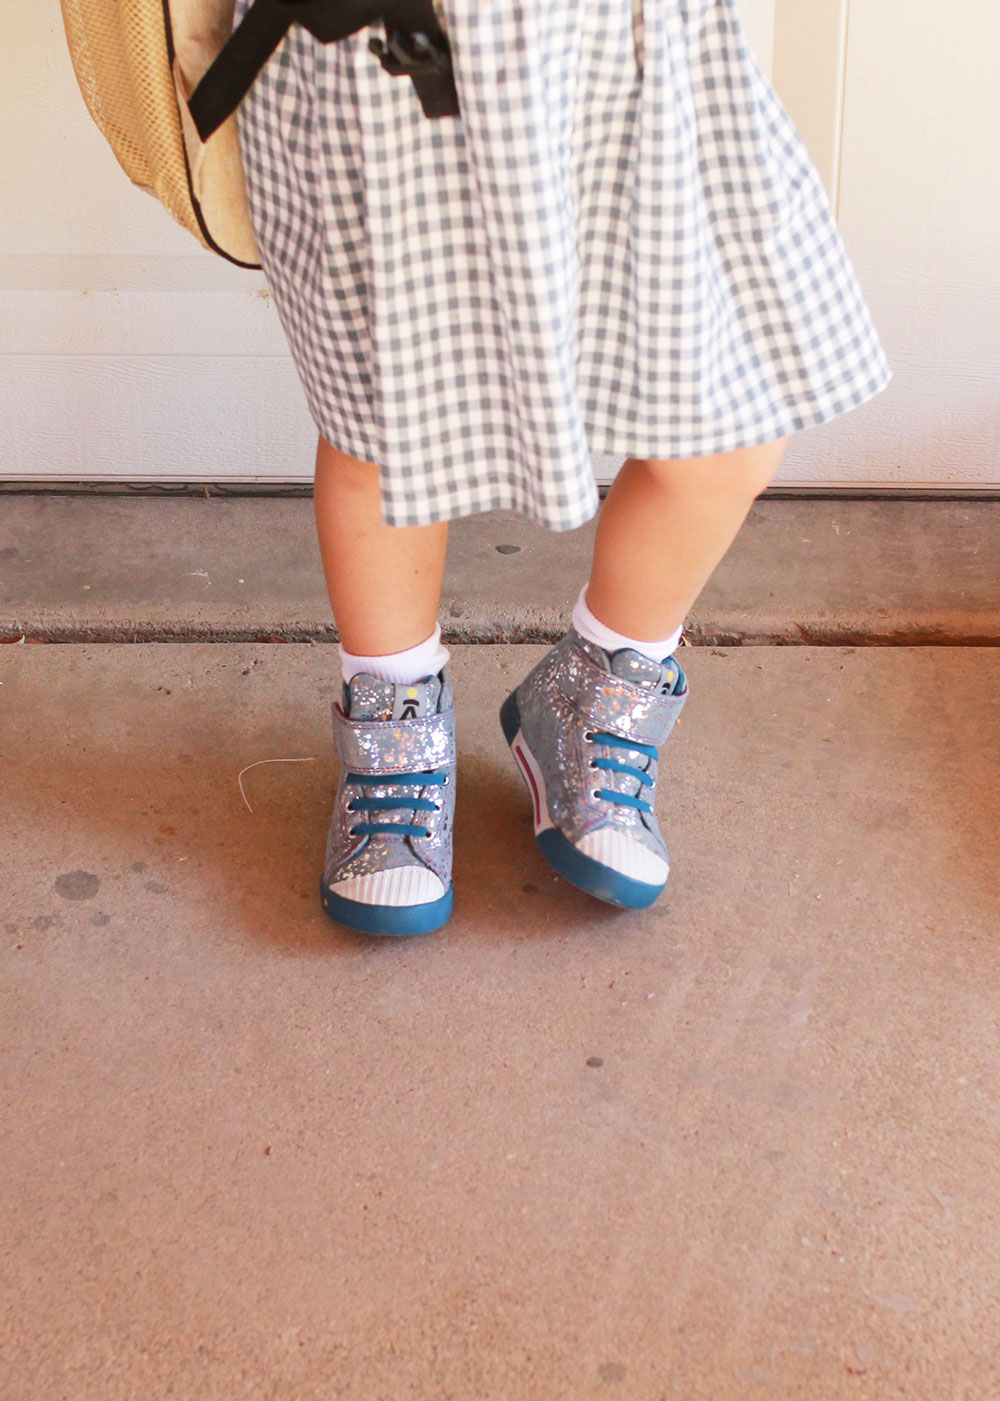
(428, 64)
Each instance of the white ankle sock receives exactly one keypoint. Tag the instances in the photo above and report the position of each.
(594, 630)
(426, 659)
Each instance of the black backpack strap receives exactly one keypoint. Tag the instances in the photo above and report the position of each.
(231, 75)
(417, 47)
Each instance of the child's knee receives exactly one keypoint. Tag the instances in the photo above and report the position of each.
(742, 473)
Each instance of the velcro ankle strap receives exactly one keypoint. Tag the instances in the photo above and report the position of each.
(613, 704)
(394, 746)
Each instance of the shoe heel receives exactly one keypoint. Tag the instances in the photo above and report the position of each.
(510, 717)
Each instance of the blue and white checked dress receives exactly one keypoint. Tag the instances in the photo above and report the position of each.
(620, 246)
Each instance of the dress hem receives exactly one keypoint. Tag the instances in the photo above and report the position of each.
(796, 421)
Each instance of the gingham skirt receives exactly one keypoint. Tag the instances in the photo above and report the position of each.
(620, 246)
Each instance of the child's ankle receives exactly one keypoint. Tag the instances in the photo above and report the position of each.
(404, 668)
(590, 627)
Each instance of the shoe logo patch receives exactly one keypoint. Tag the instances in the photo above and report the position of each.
(410, 707)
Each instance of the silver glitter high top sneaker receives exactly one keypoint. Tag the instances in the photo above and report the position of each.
(584, 727)
(388, 855)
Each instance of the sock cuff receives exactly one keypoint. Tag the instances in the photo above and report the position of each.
(587, 625)
(403, 668)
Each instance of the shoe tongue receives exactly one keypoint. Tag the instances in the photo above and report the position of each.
(655, 676)
(371, 698)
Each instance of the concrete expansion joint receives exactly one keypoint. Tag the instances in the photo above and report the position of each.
(500, 635)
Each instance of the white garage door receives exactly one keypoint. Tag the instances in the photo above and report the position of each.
(130, 354)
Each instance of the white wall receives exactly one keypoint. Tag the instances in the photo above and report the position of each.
(919, 207)
(129, 352)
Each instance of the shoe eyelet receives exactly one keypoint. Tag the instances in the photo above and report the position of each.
(595, 792)
(352, 832)
(588, 734)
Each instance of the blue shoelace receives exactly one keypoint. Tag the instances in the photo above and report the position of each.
(393, 780)
(617, 766)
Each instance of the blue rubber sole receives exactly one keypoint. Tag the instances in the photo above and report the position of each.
(589, 875)
(393, 920)
(580, 870)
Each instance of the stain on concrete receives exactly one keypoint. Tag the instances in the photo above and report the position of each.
(508, 549)
(9, 552)
(10, 928)
(784, 1094)
(100, 918)
(897, 1303)
(612, 1372)
(77, 885)
(156, 887)
(762, 1377)
(138, 867)
(789, 1096)
(43, 922)
(529, 889)
(890, 816)
(594, 1061)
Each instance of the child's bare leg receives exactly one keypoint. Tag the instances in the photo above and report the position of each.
(662, 530)
(384, 581)
(388, 862)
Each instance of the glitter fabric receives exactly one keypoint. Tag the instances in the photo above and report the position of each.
(417, 746)
(575, 691)
(393, 746)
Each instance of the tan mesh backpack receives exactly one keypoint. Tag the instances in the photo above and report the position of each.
(163, 78)
(137, 64)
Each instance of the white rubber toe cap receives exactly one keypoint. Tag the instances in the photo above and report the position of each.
(400, 885)
(624, 855)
